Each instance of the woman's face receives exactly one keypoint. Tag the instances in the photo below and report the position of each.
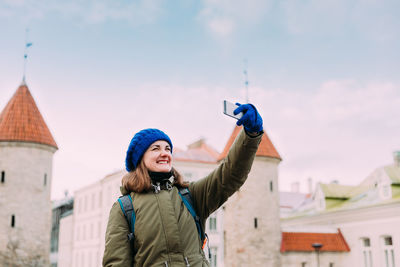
(158, 157)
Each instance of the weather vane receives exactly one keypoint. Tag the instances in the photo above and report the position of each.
(27, 45)
(246, 80)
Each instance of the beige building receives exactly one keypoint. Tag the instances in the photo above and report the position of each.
(26, 156)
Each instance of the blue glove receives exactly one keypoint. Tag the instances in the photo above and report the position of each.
(251, 119)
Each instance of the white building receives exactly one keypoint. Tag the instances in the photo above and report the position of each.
(368, 216)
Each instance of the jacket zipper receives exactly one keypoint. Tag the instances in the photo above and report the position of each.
(163, 226)
(187, 262)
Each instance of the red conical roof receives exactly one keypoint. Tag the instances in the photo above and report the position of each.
(266, 148)
(21, 120)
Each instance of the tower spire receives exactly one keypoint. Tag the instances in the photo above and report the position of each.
(246, 80)
(27, 45)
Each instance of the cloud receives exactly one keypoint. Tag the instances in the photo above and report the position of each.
(315, 16)
(223, 17)
(376, 20)
(90, 11)
(341, 130)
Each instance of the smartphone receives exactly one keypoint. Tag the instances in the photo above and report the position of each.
(229, 107)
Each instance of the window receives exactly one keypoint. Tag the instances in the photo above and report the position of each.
(91, 231)
(84, 232)
(100, 200)
(75, 259)
(83, 259)
(214, 257)
(331, 264)
(255, 223)
(212, 222)
(45, 179)
(271, 186)
(366, 252)
(3, 177)
(85, 203)
(89, 258)
(388, 252)
(99, 229)
(93, 201)
(13, 221)
(304, 264)
(78, 232)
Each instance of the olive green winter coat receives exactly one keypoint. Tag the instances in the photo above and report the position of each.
(165, 231)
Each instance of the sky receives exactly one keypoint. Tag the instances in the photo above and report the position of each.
(324, 75)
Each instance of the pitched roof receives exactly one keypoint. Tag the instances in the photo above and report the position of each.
(334, 190)
(292, 200)
(393, 171)
(303, 242)
(198, 151)
(266, 148)
(21, 120)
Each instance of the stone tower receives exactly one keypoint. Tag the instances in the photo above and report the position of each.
(26, 155)
(251, 217)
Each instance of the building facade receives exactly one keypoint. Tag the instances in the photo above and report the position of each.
(26, 155)
(60, 209)
(368, 216)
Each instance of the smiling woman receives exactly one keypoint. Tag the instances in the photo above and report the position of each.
(147, 158)
(158, 157)
(163, 217)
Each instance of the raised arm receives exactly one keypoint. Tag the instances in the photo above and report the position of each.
(213, 190)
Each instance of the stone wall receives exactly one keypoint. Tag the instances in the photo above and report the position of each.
(251, 222)
(25, 197)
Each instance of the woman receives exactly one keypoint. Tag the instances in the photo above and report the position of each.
(165, 231)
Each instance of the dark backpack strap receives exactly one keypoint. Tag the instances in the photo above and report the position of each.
(184, 193)
(127, 208)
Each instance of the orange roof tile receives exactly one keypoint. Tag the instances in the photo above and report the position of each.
(21, 120)
(304, 241)
(266, 148)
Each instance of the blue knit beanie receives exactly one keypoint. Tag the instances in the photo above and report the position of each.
(139, 144)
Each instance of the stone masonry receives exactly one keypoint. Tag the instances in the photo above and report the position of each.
(25, 202)
(251, 223)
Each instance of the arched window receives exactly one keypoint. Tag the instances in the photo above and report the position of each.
(366, 252)
(13, 221)
(45, 179)
(388, 251)
(3, 177)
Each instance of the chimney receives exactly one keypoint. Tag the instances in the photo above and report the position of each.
(396, 158)
(310, 185)
(295, 187)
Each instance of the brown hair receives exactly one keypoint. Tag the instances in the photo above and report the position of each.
(139, 181)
